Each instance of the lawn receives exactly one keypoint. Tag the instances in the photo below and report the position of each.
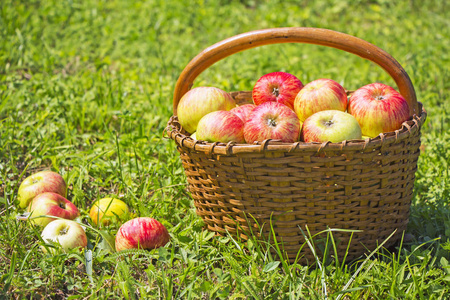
(86, 90)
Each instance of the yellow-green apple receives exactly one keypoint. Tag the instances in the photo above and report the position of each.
(272, 120)
(50, 204)
(107, 210)
(320, 94)
(378, 108)
(194, 135)
(38, 183)
(69, 234)
(278, 87)
(141, 233)
(221, 126)
(200, 101)
(243, 111)
(330, 125)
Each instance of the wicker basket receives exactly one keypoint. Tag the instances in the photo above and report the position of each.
(361, 185)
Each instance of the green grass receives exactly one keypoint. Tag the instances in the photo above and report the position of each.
(86, 90)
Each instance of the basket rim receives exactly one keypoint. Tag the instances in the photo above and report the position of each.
(182, 138)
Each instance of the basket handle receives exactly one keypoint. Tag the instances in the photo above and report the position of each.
(317, 36)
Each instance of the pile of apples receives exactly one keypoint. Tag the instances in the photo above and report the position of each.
(43, 196)
(285, 110)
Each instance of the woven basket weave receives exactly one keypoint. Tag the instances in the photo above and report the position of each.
(361, 185)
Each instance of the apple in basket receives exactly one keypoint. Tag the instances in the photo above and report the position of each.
(141, 233)
(38, 183)
(330, 125)
(50, 204)
(69, 234)
(318, 95)
(221, 126)
(200, 101)
(378, 108)
(243, 111)
(278, 87)
(272, 120)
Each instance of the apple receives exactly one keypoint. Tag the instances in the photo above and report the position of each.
(106, 210)
(243, 111)
(330, 125)
(69, 234)
(221, 126)
(320, 94)
(378, 108)
(141, 233)
(272, 120)
(50, 204)
(41, 182)
(278, 87)
(200, 101)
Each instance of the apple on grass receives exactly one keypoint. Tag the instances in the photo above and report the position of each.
(318, 95)
(330, 125)
(50, 204)
(243, 111)
(107, 210)
(221, 126)
(38, 183)
(278, 87)
(141, 233)
(378, 108)
(200, 101)
(272, 120)
(69, 234)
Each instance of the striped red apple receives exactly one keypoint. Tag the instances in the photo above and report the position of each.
(220, 126)
(318, 95)
(200, 101)
(38, 183)
(272, 120)
(51, 205)
(378, 108)
(141, 233)
(243, 111)
(281, 87)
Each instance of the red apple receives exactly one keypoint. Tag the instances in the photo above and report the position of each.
(141, 233)
(200, 101)
(272, 120)
(69, 234)
(51, 204)
(243, 111)
(378, 108)
(38, 183)
(278, 87)
(318, 95)
(330, 125)
(220, 126)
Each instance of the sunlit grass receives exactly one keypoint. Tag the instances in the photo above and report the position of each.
(86, 90)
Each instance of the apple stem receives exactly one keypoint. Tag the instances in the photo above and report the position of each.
(64, 230)
(272, 122)
(328, 123)
(379, 97)
(276, 91)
